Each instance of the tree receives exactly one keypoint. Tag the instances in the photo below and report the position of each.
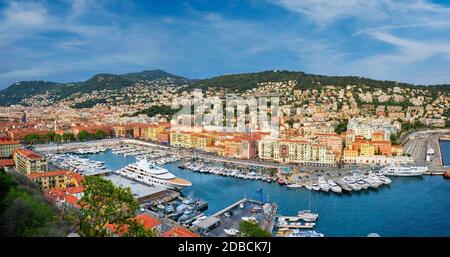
(341, 127)
(100, 134)
(67, 137)
(252, 229)
(57, 138)
(32, 138)
(83, 135)
(48, 137)
(104, 203)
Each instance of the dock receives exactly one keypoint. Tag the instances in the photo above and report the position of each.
(231, 216)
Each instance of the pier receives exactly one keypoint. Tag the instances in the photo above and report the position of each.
(231, 216)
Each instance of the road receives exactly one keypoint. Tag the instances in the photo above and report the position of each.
(417, 144)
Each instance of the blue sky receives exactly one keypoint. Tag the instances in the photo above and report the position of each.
(71, 40)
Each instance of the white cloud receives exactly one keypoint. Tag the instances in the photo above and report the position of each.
(397, 12)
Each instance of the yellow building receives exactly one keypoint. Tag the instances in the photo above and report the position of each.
(7, 147)
(56, 179)
(367, 149)
(200, 141)
(29, 162)
(151, 132)
(180, 139)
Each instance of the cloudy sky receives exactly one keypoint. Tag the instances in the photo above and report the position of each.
(71, 40)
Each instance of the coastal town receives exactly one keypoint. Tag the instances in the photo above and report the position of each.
(331, 139)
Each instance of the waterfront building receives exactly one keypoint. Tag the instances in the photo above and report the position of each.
(242, 148)
(180, 139)
(122, 131)
(7, 147)
(163, 137)
(363, 151)
(200, 141)
(29, 162)
(150, 132)
(296, 151)
(56, 179)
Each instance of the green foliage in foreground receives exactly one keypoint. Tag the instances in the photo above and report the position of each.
(104, 203)
(252, 229)
(23, 210)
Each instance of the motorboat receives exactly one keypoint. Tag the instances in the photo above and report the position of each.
(334, 187)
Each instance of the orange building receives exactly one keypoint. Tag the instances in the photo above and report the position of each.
(241, 148)
(56, 179)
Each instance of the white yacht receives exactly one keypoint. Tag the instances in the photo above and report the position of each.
(148, 173)
(323, 184)
(403, 171)
(334, 187)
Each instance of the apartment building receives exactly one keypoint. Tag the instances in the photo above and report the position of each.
(29, 162)
(7, 147)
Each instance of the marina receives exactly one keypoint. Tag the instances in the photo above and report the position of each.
(369, 208)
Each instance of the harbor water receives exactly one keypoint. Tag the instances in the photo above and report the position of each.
(414, 206)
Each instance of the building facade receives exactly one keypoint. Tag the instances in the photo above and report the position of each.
(29, 162)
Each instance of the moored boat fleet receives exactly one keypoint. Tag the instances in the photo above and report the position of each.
(75, 163)
(349, 183)
(301, 225)
(229, 172)
(140, 153)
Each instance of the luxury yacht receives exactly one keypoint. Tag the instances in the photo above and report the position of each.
(402, 171)
(148, 173)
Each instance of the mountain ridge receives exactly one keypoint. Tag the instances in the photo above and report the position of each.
(19, 91)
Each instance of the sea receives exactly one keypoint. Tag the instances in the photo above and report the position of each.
(409, 206)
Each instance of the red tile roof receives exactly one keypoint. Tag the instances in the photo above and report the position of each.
(144, 219)
(73, 175)
(7, 163)
(46, 174)
(180, 232)
(72, 200)
(29, 154)
(6, 141)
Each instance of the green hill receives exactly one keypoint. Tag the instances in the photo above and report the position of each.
(21, 90)
(249, 80)
(24, 89)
